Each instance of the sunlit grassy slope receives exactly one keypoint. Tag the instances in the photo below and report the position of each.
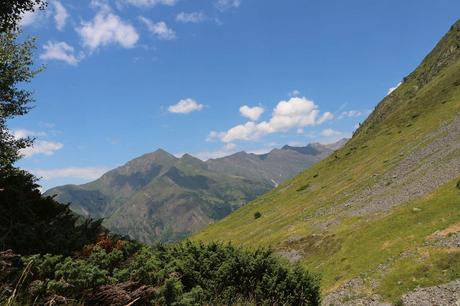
(390, 249)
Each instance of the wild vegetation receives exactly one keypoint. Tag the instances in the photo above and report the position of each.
(116, 272)
(51, 256)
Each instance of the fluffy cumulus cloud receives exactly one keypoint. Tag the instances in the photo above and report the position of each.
(223, 5)
(193, 17)
(185, 106)
(159, 29)
(39, 146)
(350, 114)
(42, 147)
(59, 51)
(252, 113)
(87, 173)
(393, 88)
(297, 112)
(60, 15)
(150, 3)
(107, 28)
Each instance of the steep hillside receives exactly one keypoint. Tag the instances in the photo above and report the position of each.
(159, 197)
(380, 217)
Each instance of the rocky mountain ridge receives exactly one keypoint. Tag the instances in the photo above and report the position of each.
(161, 197)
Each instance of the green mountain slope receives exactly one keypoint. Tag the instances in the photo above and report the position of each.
(380, 216)
(159, 197)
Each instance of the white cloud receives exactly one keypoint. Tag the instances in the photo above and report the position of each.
(60, 16)
(42, 147)
(252, 113)
(23, 133)
(247, 131)
(213, 135)
(294, 93)
(159, 29)
(102, 5)
(393, 88)
(325, 117)
(39, 146)
(350, 114)
(226, 150)
(330, 135)
(223, 5)
(59, 51)
(87, 173)
(194, 17)
(30, 17)
(295, 113)
(150, 3)
(107, 28)
(185, 106)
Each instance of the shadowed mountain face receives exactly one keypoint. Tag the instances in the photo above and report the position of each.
(380, 217)
(159, 197)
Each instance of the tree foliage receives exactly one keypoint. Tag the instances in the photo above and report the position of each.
(11, 12)
(31, 223)
(16, 68)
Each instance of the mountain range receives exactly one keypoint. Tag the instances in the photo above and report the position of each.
(379, 219)
(160, 197)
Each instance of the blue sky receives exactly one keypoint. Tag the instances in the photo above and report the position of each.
(212, 77)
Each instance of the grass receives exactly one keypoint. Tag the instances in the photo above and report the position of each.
(354, 246)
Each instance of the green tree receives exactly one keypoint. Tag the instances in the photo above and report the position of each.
(12, 10)
(16, 68)
(29, 222)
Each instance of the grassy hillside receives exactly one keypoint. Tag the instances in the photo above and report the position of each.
(380, 216)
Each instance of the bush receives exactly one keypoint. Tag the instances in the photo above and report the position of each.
(302, 188)
(458, 184)
(257, 215)
(221, 274)
(66, 276)
(182, 274)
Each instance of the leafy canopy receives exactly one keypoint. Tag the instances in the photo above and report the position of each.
(12, 10)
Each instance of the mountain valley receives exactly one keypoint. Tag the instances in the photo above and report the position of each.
(160, 197)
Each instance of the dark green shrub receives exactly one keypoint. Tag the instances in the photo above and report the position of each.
(183, 274)
(197, 274)
(302, 188)
(458, 184)
(257, 215)
(105, 260)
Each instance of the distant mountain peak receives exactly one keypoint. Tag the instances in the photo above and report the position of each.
(159, 155)
(161, 151)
